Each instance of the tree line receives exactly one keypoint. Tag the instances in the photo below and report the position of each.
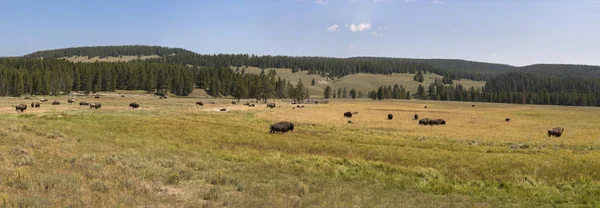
(106, 51)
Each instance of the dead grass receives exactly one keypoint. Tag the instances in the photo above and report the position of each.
(172, 153)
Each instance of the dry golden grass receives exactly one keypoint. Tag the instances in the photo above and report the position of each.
(86, 59)
(172, 153)
(361, 81)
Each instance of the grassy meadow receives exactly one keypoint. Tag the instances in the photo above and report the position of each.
(360, 81)
(172, 153)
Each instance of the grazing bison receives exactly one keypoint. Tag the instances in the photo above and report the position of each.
(282, 127)
(507, 119)
(97, 96)
(71, 101)
(557, 131)
(43, 100)
(424, 121)
(95, 105)
(27, 98)
(437, 122)
(37, 104)
(390, 116)
(21, 107)
(348, 114)
(425, 106)
(472, 105)
(122, 95)
(55, 103)
(251, 105)
(416, 117)
(270, 105)
(200, 103)
(32, 105)
(84, 103)
(234, 103)
(134, 105)
(223, 109)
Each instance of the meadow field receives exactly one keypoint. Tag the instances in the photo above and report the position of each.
(173, 153)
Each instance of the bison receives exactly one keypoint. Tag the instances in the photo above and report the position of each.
(437, 122)
(95, 105)
(557, 131)
(416, 117)
(282, 127)
(390, 116)
(424, 121)
(270, 105)
(472, 105)
(43, 100)
(507, 119)
(55, 103)
(71, 100)
(163, 97)
(21, 107)
(37, 104)
(84, 103)
(122, 95)
(348, 114)
(223, 109)
(134, 105)
(251, 105)
(200, 103)
(234, 103)
(32, 105)
(97, 96)
(425, 106)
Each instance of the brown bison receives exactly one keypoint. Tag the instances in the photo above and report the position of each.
(21, 107)
(390, 116)
(425, 106)
(95, 105)
(557, 131)
(55, 103)
(472, 105)
(223, 109)
(507, 119)
(251, 105)
(35, 105)
(134, 105)
(200, 103)
(32, 105)
(97, 96)
(282, 127)
(271, 105)
(122, 95)
(416, 117)
(234, 103)
(348, 114)
(437, 122)
(71, 101)
(424, 121)
(84, 103)
(43, 100)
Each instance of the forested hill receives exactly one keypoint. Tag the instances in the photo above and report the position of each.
(458, 65)
(564, 70)
(112, 51)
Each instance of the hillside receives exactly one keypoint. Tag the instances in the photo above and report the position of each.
(108, 51)
(87, 59)
(362, 81)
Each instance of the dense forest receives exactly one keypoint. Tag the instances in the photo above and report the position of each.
(179, 71)
(106, 51)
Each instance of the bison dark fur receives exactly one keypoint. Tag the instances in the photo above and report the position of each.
(390, 116)
(348, 114)
(557, 131)
(282, 127)
(134, 105)
(21, 107)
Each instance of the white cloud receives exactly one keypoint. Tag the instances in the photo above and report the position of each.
(332, 28)
(352, 46)
(321, 2)
(378, 34)
(360, 27)
(437, 2)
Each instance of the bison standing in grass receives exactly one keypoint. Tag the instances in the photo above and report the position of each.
(557, 132)
(424, 121)
(134, 105)
(95, 105)
(71, 101)
(390, 116)
(21, 107)
(348, 114)
(35, 105)
(437, 122)
(270, 105)
(43, 100)
(55, 103)
(282, 127)
(416, 117)
(84, 103)
(200, 103)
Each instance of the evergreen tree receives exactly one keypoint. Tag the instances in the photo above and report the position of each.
(327, 92)
(312, 82)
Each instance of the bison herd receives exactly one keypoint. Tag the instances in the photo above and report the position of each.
(427, 121)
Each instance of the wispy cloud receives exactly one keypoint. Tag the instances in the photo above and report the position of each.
(321, 2)
(378, 34)
(439, 2)
(332, 28)
(352, 46)
(360, 27)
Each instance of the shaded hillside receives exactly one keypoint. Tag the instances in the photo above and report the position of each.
(457, 65)
(109, 51)
(565, 70)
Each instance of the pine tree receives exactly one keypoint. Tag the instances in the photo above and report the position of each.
(327, 92)
(312, 82)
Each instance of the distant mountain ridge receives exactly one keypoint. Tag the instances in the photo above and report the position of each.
(455, 68)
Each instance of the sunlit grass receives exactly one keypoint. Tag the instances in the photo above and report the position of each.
(173, 153)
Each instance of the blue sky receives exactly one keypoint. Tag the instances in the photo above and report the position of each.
(503, 31)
